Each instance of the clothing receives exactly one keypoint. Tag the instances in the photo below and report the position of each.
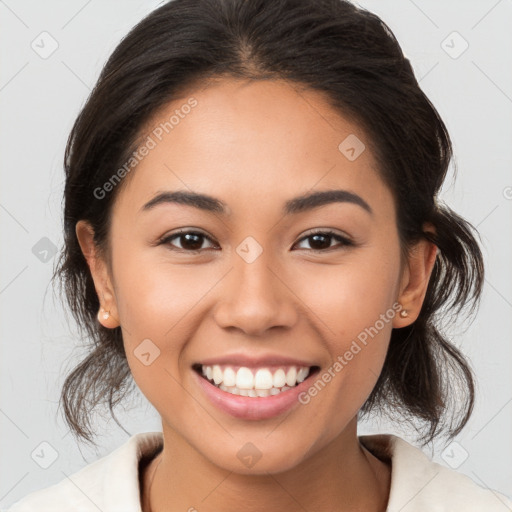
(111, 484)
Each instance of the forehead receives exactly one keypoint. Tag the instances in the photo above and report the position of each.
(251, 139)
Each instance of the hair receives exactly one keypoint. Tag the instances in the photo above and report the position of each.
(353, 58)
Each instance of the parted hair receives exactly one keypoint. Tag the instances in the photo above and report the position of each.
(354, 59)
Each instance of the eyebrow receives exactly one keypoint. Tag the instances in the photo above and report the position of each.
(296, 205)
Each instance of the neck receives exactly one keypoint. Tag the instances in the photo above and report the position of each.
(342, 475)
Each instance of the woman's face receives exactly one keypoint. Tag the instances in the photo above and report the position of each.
(247, 288)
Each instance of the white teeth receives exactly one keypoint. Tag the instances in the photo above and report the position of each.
(229, 377)
(302, 374)
(217, 374)
(258, 383)
(291, 376)
(244, 378)
(252, 392)
(263, 379)
(279, 378)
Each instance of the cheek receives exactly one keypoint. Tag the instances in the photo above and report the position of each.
(156, 305)
(352, 302)
(153, 296)
(353, 294)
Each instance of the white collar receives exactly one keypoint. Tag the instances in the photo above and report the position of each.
(111, 483)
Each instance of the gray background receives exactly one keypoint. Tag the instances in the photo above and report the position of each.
(40, 98)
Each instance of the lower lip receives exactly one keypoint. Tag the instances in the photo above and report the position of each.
(252, 408)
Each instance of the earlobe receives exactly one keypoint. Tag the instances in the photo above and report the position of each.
(420, 264)
(107, 315)
(106, 319)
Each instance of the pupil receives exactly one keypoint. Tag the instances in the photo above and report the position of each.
(194, 243)
(320, 245)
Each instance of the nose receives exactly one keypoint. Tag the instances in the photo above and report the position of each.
(255, 298)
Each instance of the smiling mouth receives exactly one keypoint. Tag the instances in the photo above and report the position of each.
(256, 382)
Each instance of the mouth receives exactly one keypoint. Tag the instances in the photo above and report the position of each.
(255, 382)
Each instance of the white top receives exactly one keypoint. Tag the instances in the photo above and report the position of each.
(111, 484)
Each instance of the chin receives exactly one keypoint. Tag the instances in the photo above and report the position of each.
(248, 459)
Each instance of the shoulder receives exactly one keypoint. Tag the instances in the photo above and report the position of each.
(110, 483)
(419, 485)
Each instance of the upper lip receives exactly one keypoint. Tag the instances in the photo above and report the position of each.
(255, 361)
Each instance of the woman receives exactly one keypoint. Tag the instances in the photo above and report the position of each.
(252, 233)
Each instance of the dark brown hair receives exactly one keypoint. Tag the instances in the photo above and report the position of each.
(351, 56)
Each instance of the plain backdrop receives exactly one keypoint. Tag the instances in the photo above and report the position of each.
(460, 51)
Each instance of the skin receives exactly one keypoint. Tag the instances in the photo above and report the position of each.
(254, 145)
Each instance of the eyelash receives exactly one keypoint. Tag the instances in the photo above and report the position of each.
(345, 242)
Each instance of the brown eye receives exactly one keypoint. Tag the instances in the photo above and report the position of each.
(192, 241)
(189, 241)
(321, 240)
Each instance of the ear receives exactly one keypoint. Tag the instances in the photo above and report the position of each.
(100, 275)
(415, 279)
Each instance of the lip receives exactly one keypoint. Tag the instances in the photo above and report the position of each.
(261, 361)
(253, 408)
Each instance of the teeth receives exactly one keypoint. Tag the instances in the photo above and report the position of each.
(229, 377)
(302, 374)
(257, 383)
(263, 379)
(217, 374)
(291, 376)
(279, 378)
(244, 378)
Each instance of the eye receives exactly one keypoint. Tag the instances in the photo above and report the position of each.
(321, 240)
(190, 241)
